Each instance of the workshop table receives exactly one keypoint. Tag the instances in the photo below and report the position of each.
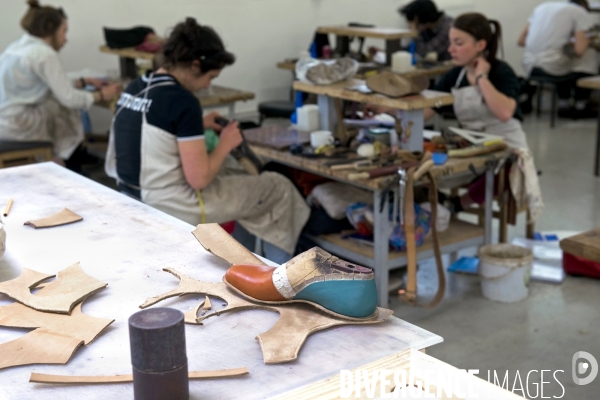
(459, 235)
(127, 244)
(392, 37)
(593, 82)
(429, 72)
(213, 97)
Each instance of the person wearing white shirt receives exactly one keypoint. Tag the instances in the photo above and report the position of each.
(37, 100)
(556, 45)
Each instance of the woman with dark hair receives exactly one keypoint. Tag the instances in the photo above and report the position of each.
(486, 92)
(37, 101)
(158, 154)
(432, 25)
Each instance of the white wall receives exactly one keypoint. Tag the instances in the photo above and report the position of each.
(259, 32)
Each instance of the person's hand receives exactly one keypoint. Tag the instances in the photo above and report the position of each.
(372, 50)
(95, 82)
(209, 121)
(111, 91)
(482, 66)
(231, 137)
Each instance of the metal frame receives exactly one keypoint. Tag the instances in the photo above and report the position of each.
(382, 264)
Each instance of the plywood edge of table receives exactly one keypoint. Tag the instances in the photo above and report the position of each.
(458, 231)
(427, 98)
(375, 33)
(128, 52)
(591, 82)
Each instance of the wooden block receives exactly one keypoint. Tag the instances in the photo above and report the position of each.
(586, 245)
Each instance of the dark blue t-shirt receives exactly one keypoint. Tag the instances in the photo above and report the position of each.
(170, 108)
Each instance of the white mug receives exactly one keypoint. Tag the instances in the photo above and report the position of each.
(321, 138)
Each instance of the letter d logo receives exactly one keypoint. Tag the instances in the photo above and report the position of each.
(583, 367)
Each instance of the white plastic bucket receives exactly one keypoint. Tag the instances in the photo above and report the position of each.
(504, 270)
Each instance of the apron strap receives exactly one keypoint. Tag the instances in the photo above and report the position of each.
(460, 78)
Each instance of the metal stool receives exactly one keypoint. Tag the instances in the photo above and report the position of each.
(538, 76)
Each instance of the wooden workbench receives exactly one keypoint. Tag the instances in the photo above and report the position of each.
(593, 83)
(213, 97)
(428, 72)
(427, 98)
(409, 109)
(391, 36)
(379, 257)
(126, 243)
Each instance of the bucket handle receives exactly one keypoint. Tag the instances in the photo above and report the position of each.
(493, 278)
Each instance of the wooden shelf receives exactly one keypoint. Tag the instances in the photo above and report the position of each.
(129, 52)
(427, 98)
(458, 231)
(376, 33)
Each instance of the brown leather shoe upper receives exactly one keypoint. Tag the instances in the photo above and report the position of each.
(255, 281)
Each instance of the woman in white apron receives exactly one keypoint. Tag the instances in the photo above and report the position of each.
(37, 101)
(157, 149)
(486, 92)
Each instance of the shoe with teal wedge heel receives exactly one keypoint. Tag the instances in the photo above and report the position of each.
(316, 277)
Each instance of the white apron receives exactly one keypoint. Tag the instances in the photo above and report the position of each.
(472, 113)
(267, 205)
(47, 121)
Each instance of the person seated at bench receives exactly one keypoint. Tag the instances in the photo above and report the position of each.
(486, 92)
(432, 26)
(157, 150)
(37, 100)
(557, 46)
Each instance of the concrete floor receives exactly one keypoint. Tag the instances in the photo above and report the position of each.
(555, 321)
(544, 331)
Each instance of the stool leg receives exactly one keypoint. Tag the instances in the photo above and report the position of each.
(539, 99)
(530, 227)
(553, 109)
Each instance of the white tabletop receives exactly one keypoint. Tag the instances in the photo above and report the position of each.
(126, 243)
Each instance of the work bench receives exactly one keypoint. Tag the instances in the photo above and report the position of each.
(126, 243)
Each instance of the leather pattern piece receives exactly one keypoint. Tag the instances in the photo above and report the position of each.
(55, 338)
(71, 286)
(218, 242)
(281, 343)
(64, 217)
(255, 281)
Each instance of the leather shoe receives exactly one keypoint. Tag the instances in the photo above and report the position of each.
(314, 277)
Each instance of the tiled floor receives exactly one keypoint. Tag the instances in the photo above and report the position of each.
(555, 321)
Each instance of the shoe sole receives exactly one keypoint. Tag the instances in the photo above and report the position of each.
(373, 316)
